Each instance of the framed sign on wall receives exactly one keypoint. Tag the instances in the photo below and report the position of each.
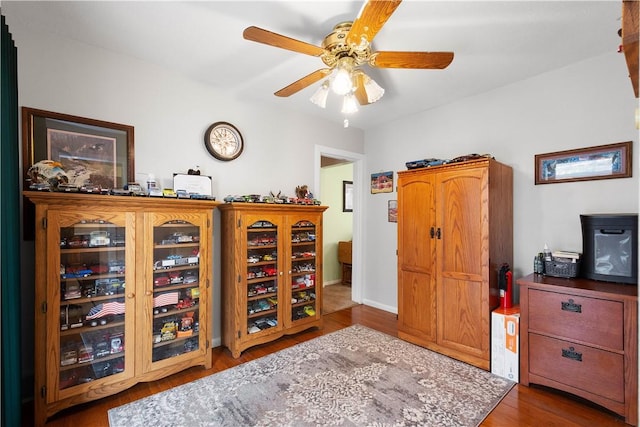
(583, 164)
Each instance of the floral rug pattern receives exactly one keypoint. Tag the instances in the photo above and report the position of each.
(353, 377)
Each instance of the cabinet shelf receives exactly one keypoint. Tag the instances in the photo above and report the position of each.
(88, 329)
(175, 340)
(303, 303)
(174, 287)
(91, 362)
(261, 313)
(97, 249)
(262, 296)
(302, 273)
(174, 312)
(176, 245)
(86, 300)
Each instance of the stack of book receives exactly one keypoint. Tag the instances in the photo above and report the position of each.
(565, 256)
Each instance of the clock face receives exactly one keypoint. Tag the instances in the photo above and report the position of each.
(223, 141)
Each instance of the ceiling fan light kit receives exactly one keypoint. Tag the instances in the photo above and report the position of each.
(373, 89)
(342, 78)
(344, 51)
(320, 96)
(349, 104)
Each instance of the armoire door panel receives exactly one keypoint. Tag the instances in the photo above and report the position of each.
(461, 317)
(460, 208)
(413, 317)
(418, 197)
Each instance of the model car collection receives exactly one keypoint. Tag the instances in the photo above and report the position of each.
(175, 261)
(256, 198)
(177, 238)
(302, 312)
(262, 324)
(99, 238)
(261, 289)
(253, 258)
(95, 239)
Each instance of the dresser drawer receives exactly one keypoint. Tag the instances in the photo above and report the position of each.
(592, 370)
(589, 320)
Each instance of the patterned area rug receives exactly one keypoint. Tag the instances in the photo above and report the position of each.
(353, 377)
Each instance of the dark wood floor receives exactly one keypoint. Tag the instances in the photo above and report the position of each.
(523, 406)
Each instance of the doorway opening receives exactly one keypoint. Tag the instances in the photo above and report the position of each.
(334, 168)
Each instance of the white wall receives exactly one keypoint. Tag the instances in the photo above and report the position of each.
(170, 114)
(586, 104)
(337, 225)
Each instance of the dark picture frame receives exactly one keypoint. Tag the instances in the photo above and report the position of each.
(584, 164)
(45, 133)
(347, 196)
(103, 151)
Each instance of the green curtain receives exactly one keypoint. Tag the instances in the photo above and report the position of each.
(9, 232)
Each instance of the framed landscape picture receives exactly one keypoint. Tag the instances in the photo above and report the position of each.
(88, 149)
(382, 182)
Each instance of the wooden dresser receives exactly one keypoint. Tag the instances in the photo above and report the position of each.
(581, 336)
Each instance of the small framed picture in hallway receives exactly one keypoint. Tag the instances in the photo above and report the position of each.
(347, 196)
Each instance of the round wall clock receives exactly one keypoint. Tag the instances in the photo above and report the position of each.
(223, 141)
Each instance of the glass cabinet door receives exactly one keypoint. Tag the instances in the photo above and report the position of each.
(177, 280)
(303, 271)
(90, 287)
(261, 276)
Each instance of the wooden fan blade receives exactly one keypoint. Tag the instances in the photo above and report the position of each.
(267, 37)
(303, 82)
(361, 93)
(372, 16)
(421, 60)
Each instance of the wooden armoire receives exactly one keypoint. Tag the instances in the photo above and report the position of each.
(455, 231)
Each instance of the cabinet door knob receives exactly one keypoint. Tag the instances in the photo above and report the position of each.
(438, 233)
(131, 295)
(432, 232)
(147, 293)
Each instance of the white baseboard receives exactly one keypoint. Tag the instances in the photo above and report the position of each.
(384, 307)
(332, 282)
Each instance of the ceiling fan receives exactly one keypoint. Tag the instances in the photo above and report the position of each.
(345, 50)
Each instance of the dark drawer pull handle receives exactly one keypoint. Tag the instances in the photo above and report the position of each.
(572, 354)
(571, 306)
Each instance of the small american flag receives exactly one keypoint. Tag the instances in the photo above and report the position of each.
(105, 309)
(168, 298)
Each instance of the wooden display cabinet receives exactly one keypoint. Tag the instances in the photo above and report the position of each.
(271, 272)
(581, 336)
(454, 233)
(121, 293)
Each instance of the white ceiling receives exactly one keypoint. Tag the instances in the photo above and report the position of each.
(495, 43)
